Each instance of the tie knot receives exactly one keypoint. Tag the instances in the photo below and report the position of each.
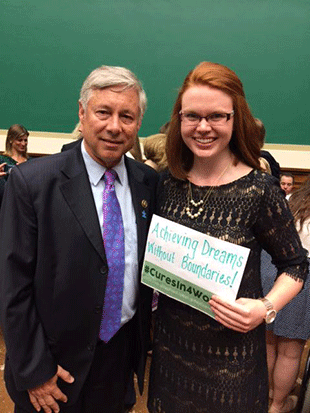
(109, 177)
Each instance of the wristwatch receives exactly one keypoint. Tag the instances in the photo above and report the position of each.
(271, 312)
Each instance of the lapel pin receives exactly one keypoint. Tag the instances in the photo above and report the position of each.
(144, 203)
(144, 215)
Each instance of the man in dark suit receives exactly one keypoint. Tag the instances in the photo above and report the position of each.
(54, 264)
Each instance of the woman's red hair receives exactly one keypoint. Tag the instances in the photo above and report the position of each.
(245, 138)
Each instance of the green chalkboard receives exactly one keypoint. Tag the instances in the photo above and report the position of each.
(48, 47)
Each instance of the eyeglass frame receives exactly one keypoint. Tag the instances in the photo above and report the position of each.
(199, 118)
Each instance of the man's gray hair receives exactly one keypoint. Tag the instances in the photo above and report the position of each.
(108, 76)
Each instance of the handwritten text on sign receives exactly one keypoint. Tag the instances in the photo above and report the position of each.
(190, 266)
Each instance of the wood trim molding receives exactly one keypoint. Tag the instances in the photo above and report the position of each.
(45, 143)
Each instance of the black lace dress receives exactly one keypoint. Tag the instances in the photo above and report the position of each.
(199, 365)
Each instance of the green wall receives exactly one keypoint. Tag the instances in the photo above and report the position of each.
(48, 47)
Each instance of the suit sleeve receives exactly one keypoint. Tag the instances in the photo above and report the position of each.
(29, 356)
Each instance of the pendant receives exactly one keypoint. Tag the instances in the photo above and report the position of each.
(193, 216)
(196, 204)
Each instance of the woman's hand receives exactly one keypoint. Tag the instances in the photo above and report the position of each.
(243, 315)
(2, 173)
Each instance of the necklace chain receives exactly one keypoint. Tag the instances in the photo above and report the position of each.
(192, 205)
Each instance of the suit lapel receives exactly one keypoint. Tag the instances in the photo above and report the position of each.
(141, 198)
(78, 194)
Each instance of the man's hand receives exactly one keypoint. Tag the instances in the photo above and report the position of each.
(243, 315)
(46, 395)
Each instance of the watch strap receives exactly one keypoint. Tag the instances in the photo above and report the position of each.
(267, 303)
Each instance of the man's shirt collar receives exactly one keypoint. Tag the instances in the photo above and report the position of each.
(96, 171)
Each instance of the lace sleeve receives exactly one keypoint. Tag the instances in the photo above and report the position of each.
(276, 232)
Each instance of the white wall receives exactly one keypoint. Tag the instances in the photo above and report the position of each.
(288, 156)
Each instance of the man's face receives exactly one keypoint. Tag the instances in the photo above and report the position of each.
(110, 123)
(286, 183)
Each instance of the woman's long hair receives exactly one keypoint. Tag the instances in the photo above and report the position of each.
(299, 203)
(154, 149)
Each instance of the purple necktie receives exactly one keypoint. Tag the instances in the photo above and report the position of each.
(113, 237)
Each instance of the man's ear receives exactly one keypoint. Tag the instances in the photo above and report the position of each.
(140, 122)
(81, 112)
(81, 117)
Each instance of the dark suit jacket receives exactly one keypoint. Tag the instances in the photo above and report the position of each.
(274, 165)
(53, 270)
(70, 145)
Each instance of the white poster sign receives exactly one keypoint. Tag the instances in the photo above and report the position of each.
(190, 266)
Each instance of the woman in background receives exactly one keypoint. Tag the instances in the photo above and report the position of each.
(286, 336)
(15, 152)
(15, 146)
(154, 147)
(215, 186)
(136, 152)
(267, 161)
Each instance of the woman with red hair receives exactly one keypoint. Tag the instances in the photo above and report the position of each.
(214, 185)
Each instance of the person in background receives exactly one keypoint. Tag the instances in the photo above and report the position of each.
(76, 135)
(292, 327)
(287, 183)
(14, 154)
(164, 128)
(2, 171)
(75, 317)
(136, 152)
(266, 160)
(287, 335)
(154, 147)
(3, 175)
(264, 164)
(15, 145)
(214, 185)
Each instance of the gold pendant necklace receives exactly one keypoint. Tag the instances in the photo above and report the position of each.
(192, 205)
